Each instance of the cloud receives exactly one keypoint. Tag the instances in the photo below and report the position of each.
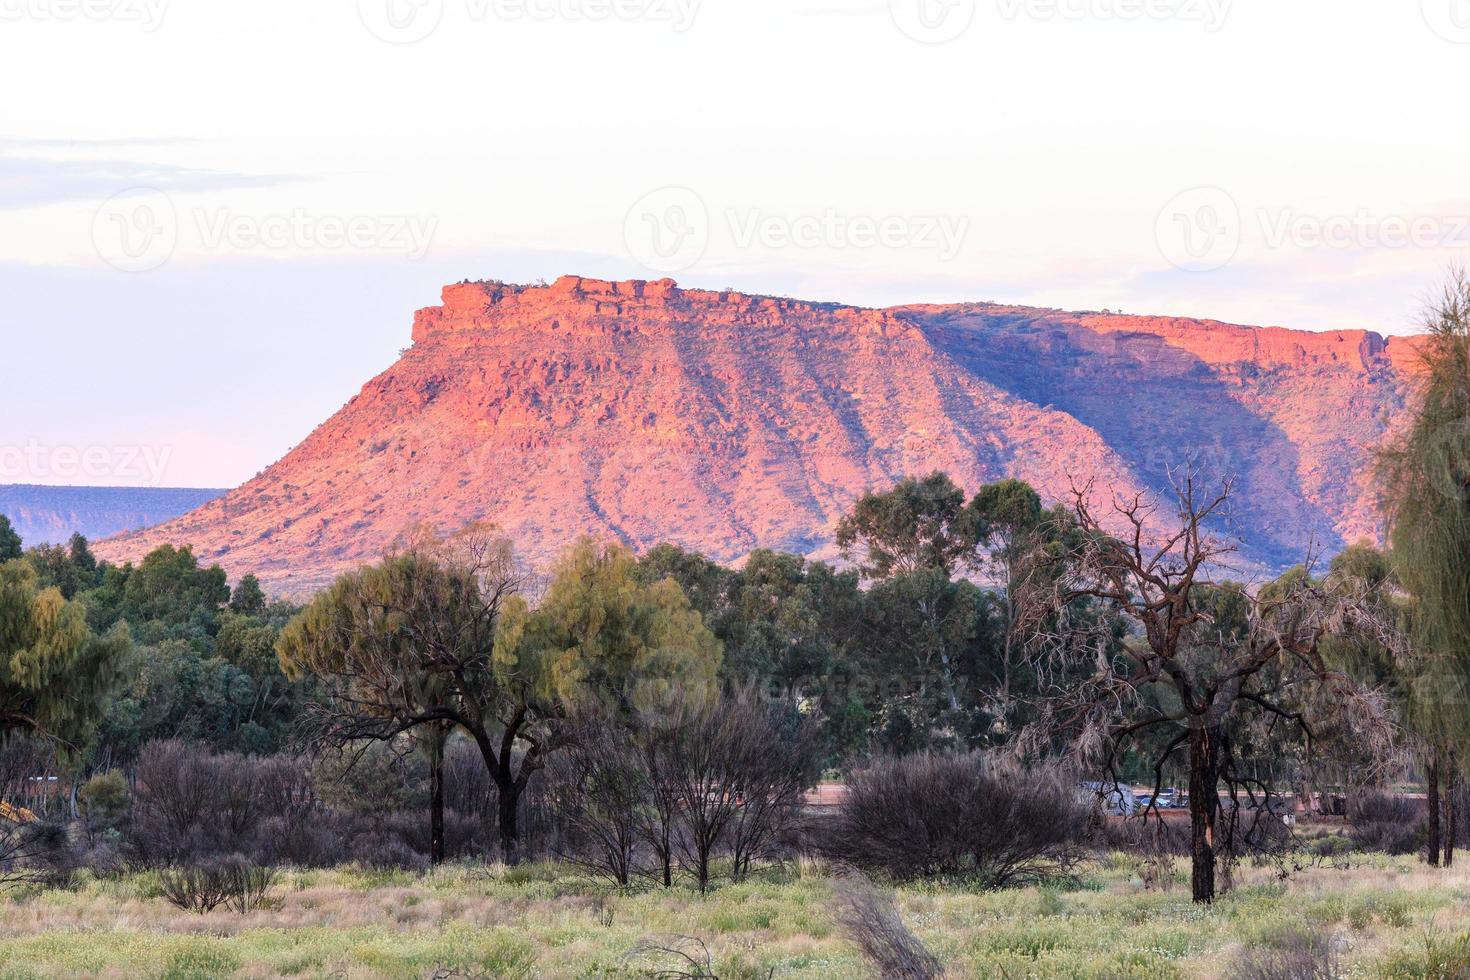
(9, 144)
(32, 180)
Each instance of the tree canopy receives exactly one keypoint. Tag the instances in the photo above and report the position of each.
(56, 675)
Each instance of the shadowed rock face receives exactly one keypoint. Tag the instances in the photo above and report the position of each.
(643, 412)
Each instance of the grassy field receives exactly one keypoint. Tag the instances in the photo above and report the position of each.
(1387, 916)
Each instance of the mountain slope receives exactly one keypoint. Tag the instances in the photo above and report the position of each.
(644, 412)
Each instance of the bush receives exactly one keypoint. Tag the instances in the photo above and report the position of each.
(1437, 958)
(872, 923)
(175, 813)
(103, 799)
(191, 804)
(38, 853)
(1382, 822)
(953, 816)
(232, 882)
(1294, 953)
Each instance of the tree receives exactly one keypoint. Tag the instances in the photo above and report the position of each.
(1204, 657)
(248, 599)
(706, 584)
(923, 625)
(10, 544)
(604, 791)
(167, 596)
(1424, 475)
(408, 645)
(736, 770)
(72, 569)
(927, 636)
(1019, 543)
(918, 524)
(1421, 687)
(438, 633)
(56, 675)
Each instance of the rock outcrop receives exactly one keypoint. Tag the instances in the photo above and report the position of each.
(644, 412)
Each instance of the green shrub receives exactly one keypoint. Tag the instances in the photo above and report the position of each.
(1436, 958)
(104, 799)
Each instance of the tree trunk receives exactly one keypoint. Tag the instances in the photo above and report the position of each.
(436, 801)
(1449, 811)
(1204, 803)
(510, 812)
(1432, 803)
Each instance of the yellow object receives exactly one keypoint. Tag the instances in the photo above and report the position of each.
(16, 814)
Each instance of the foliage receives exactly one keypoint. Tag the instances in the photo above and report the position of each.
(10, 543)
(438, 634)
(1425, 478)
(104, 799)
(56, 675)
(918, 524)
(599, 634)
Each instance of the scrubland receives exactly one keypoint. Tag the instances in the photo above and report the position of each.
(1360, 916)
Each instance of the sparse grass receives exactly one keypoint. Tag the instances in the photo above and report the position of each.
(1388, 917)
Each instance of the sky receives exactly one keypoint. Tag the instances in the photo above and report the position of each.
(217, 219)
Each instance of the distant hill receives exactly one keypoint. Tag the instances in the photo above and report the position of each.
(50, 515)
(642, 412)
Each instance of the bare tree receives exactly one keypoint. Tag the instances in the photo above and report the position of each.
(701, 761)
(602, 786)
(1201, 656)
(777, 756)
(659, 823)
(735, 771)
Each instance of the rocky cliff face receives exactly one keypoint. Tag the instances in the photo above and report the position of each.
(644, 412)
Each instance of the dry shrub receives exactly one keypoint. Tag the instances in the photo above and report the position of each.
(870, 920)
(232, 882)
(1384, 822)
(190, 804)
(37, 853)
(674, 958)
(953, 816)
(1294, 953)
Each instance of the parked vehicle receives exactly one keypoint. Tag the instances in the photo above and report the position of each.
(1117, 800)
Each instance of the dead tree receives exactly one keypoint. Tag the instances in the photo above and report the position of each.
(1200, 659)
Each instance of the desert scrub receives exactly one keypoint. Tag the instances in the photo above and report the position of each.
(1394, 919)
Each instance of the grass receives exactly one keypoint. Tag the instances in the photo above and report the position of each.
(1389, 917)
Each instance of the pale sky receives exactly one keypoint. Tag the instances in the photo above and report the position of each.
(219, 217)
